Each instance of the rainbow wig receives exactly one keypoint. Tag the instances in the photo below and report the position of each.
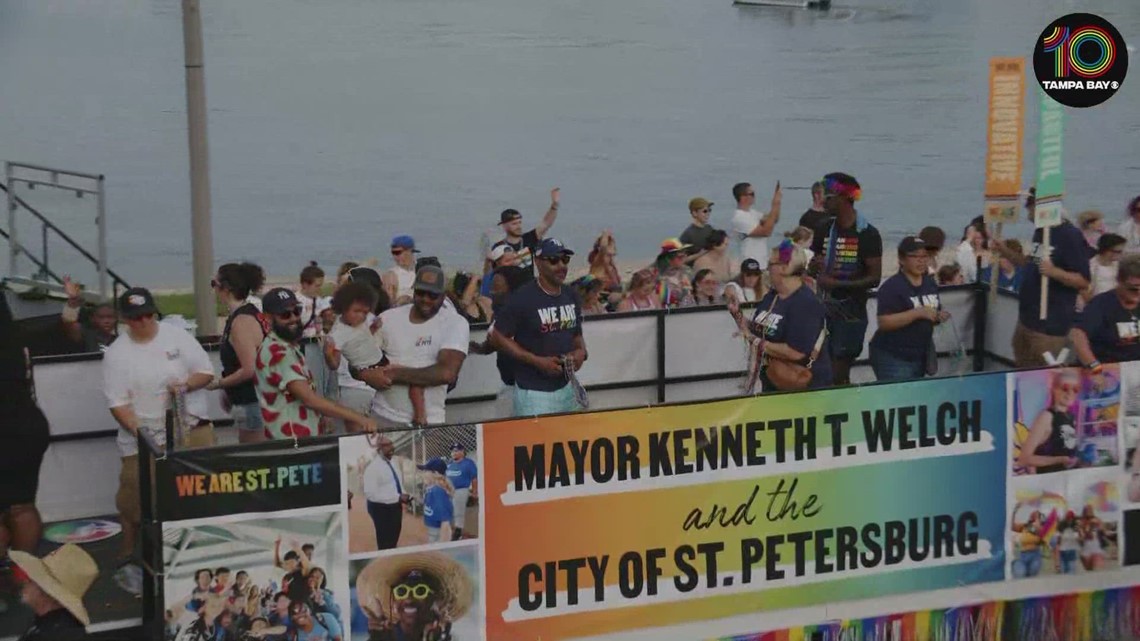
(839, 184)
(784, 251)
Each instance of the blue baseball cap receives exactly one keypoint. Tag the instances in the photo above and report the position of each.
(436, 465)
(455, 447)
(405, 242)
(552, 247)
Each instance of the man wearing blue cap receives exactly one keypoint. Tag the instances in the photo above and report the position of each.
(398, 280)
(540, 328)
(462, 472)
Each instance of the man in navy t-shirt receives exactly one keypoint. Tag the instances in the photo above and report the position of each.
(1067, 268)
(541, 330)
(908, 309)
(462, 472)
(1108, 329)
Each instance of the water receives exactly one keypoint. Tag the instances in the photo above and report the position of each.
(335, 124)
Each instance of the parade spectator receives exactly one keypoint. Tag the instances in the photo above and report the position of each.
(1067, 272)
(464, 295)
(903, 346)
(100, 329)
(385, 493)
(541, 329)
(243, 333)
(1108, 329)
(589, 290)
(602, 259)
(290, 406)
(1009, 274)
(463, 475)
(706, 288)
(642, 293)
(1091, 224)
(716, 256)
(697, 233)
(141, 374)
(949, 275)
(398, 279)
(53, 588)
(437, 501)
(934, 239)
(971, 249)
(849, 259)
(525, 244)
(311, 281)
(1052, 442)
(747, 286)
(1103, 267)
(673, 275)
(24, 439)
(803, 237)
(1130, 227)
(790, 323)
(752, 228)
(816, 217)
(342, 271)
(506, 280)
(501, 257)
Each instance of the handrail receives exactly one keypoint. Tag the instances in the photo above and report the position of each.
(37, 262)
(59, 232)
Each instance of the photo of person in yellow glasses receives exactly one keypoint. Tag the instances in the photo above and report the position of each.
(414, 596)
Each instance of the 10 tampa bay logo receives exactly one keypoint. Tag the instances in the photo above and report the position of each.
(1080, 60)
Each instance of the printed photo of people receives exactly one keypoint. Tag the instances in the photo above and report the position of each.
(267, 578)
(1130, 427)
(1065, 419)
(410, 488)
(1060, 525)
(430, 595)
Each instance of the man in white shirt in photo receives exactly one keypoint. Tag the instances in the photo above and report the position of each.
(426, 344)
(141, 373)
(752, 228)
(384, 492)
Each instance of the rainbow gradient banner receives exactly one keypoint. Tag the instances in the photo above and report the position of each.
(595, 524)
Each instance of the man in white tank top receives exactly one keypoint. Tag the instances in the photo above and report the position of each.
(398, 280)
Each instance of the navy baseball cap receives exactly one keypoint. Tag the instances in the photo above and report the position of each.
(405, 242)
(458, 447)
(279, 300)
(552, 247)
(508, 215)
(435, 465)
(136, 302)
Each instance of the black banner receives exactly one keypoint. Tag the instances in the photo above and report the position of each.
(265, 478)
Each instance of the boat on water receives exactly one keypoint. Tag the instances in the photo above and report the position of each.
(822, 5)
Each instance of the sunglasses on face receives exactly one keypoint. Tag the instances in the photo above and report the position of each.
(397, 252)
(705, 210)
(418, 592)
(554, 260)
(1069, 387)
(289, 315)
(427, 295)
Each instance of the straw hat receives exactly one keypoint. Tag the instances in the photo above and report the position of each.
(65, 575)
(376, 580)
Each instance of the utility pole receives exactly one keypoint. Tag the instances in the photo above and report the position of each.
(201, 229)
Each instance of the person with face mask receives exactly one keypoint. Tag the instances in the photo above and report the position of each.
(290, 406)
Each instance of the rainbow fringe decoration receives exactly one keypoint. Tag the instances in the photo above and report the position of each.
(1111, 615)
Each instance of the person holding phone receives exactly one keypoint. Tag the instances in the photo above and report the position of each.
(751, 227)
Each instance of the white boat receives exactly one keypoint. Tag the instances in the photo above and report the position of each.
(795, 4)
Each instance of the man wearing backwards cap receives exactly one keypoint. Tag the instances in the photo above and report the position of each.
(524, 245)
(398, 279)
(463, 474)
(53, 587)
(541, 329)
(849, 261)
(142, 372)
(290, 407)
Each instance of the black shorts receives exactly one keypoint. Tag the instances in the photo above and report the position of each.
(23, 441)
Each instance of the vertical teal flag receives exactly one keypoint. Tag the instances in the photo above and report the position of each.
(1050, 165)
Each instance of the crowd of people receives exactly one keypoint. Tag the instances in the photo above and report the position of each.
(229, 606)
(1085, 538)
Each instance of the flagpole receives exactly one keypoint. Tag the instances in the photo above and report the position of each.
(202, 238)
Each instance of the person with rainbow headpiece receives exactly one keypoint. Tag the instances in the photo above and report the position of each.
(849, 264)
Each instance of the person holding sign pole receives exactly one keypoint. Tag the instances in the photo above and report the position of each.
(1108, 330)
(909, 309)
(1067, 270)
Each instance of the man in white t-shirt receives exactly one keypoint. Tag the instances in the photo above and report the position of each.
(141, 372)
(752, 228)
(426, 344)
(398, 279)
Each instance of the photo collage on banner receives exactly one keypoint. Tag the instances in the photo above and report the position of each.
(1130, 478)
(1064, 497)
(413, 534)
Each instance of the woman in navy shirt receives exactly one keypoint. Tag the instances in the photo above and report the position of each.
(908, 310)
(789, 320)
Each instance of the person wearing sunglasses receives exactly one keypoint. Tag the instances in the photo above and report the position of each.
(697, 233)
(1108, 329)
(751, 227)
(290, 406)
(1052, 442)
(525, 244)
(398, 280)
(541, 330)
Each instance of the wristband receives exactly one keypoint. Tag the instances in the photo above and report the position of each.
(1095, 367)
(69, 314)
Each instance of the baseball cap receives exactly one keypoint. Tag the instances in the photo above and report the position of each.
(508, 215)
(552, 247)
(137, 301)
(670, 245)
(911, 244)
(699, 203)
(279, 300)
(434, 465)
(499, 251)
(934, 237)
(457, 447)
(405, 242)
(750, 266)
(429, 278)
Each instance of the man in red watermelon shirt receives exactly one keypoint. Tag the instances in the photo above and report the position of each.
(290, 407)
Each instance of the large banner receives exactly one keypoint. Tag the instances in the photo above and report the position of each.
(1003, 138)
(648, 517)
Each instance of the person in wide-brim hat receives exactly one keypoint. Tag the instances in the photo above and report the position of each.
(376, 581)
(55, 587)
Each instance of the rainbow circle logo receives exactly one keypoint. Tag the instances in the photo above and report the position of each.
(1080, 60)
